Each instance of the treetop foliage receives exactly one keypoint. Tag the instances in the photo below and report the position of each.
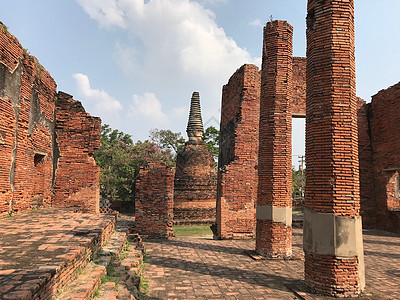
(120, 160)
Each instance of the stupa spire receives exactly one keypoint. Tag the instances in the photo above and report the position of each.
(195, 124)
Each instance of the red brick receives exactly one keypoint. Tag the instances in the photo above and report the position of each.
(332, 172)
(237, 169)
(275, 152)
(154, 201)
(28, 146)
(195, 185)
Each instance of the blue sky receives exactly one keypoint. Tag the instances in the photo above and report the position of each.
(135, 63)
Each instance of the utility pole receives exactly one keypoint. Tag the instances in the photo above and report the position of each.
(301, 161)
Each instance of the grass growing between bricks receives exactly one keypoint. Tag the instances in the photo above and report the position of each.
(192, 230)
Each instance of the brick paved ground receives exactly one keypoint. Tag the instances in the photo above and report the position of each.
(202, 268)
(36, 245)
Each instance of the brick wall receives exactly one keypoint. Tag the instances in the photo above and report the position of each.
(367, 199)
(27, 129)
(154, 201)
(77, 174)
(27, 108)
(385, 140)
(195, 186)
(275, 153)
(237, 170)
(332, 187)
(298, 99)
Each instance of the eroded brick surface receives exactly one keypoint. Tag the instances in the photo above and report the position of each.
(27, 108)
(77, 175)
(237, 170)
(154, 201)
(28, 147)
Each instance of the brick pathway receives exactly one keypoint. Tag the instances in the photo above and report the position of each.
(202, 268)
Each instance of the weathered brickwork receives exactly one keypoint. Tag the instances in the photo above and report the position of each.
(382, 117)
(332, 186)
(28, 146)
(27, 107)
(77, 175)
(298, 99)
(154, 201)
(195, 185)
(275, 152)
(237, 170)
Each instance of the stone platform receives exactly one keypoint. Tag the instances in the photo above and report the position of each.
(41, 250)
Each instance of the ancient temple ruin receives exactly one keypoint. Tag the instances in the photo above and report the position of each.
(47, 140)
(195, 175)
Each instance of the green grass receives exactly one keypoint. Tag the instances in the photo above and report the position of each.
(297, 212)
(192, 230)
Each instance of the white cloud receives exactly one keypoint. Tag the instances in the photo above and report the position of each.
(256, 23)
(148, 106)
(170, 47)
(178, 35)
(106, 12)
(213, 1)
(102, 102)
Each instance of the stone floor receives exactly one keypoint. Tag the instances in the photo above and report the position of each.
(202, 268)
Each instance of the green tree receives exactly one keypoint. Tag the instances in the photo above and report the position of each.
(166, 139)
(120, 160)
(211, 138)
(298, 183)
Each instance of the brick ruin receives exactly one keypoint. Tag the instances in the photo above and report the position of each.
(78, 135)
(238, 152)
(350, 145)
(154, 201)
(41, 165)
(239, 142)
(195, 176)
(379, 145)
(274, 199)
(332, 234)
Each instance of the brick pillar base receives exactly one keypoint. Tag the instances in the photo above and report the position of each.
(330, 275)
(274, 239)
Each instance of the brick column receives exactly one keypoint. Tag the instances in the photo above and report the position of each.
(274, 201)
(154, 201)
(332, 225)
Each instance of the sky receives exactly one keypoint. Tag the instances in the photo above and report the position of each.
(136, 63)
